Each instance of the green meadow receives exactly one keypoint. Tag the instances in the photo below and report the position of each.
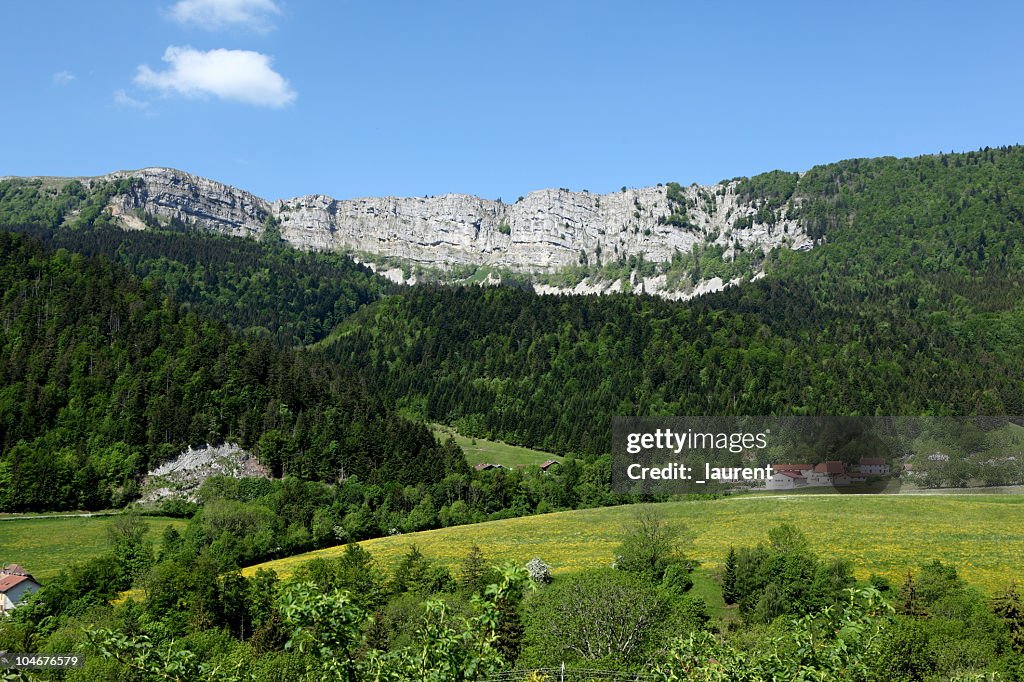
(480, 451)
(982, 535)
(44, 546)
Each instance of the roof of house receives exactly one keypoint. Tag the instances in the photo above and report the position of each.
(791, 474)
(871, 461)
(548, 463)
(792, 467)
(830, 467)
(7, 582)
(483, 466)
(14, 569)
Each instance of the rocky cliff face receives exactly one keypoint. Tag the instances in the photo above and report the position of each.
(172, 194)
(544, 232)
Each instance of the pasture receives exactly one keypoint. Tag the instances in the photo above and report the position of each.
(981, 535)
(480, 451)
(44, 546)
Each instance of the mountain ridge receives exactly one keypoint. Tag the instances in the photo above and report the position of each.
(547, 231)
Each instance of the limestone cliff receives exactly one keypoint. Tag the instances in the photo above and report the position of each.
(543, 232)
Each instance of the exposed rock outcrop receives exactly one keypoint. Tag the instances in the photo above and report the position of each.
(543, 232)
(173, 194)
(181, 477)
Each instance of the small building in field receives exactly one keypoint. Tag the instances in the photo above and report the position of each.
(15, 585)
(483, 466)
(829, 473)
(547, 464)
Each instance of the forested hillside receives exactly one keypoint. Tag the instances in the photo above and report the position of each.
(912, 305)
(102, 376)
(264, 289)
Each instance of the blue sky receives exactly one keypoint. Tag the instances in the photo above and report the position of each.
(289, 97)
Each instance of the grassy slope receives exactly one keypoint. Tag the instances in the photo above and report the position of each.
(480, 451)
(45, 546)
(983, 536)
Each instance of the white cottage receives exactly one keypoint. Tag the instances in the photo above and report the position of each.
(788, 476)
(15, 585)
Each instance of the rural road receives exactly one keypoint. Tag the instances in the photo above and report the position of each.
(21, 517)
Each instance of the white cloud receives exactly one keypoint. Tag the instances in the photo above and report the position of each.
(123, 99)
(217, 14)
(239, 75)
(63, 77)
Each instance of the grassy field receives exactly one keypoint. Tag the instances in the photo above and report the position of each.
(45, 546)
(982, 535)
(480, 451)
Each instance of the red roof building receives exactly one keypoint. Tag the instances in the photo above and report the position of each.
(830, 467)
(15, 585)
(7, 582)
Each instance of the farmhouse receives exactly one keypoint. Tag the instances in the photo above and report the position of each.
(832, 472)
(15, 585)
(788, 476)
(873, 466)
(547, 464)
(483, 466)
(828, 473)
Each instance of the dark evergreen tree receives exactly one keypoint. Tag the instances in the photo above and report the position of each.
(1009, 606)
(909, 601)
(729, 578)
(474, 570)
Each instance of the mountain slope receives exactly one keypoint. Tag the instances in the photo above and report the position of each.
(262, 288)
(910, 303)
(102, 376)
(547, 231)
(913, 305)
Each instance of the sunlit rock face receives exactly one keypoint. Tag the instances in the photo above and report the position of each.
(543, 232)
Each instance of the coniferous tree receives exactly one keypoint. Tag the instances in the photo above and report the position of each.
(729, 578)
(1009, 606)
(909, 601)
(474, 570)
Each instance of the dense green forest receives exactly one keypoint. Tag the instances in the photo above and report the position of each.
(912, 305)
(105, 376)
(262, 288)
(102, 376)
(909, 305)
